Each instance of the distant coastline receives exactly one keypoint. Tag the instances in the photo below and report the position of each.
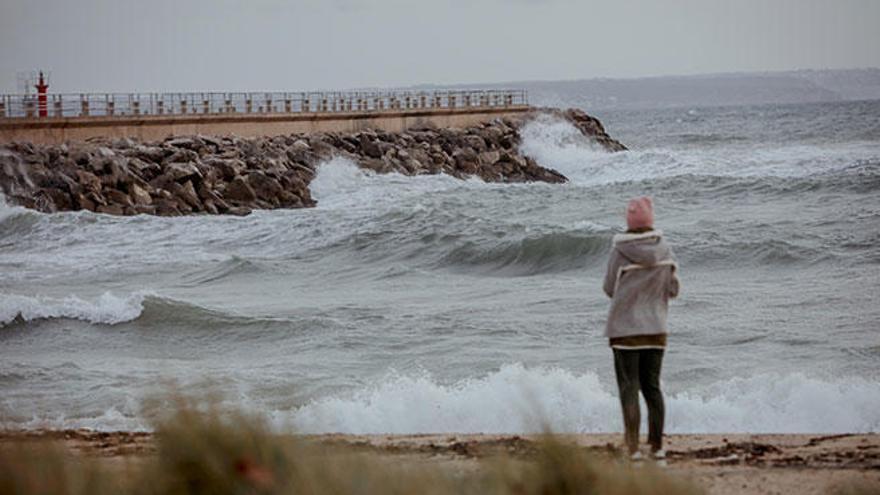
(699, 90)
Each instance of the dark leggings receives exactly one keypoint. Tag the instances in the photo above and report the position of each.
(635, 370)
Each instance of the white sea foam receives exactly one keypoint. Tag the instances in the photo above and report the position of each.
(341, 184)
(107, 309)
(557, 144)
(7, 210)
(516, 400)
(113, 419)
(336, 180)
(520, 400)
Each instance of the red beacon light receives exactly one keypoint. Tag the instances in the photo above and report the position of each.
(42, 98)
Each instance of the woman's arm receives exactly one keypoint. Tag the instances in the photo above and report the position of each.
(614, 262)
(674, 284)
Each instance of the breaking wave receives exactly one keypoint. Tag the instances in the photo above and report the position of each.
(547, 253)
(559, 145)
(520, 400)
(516, 399)
(108, 309)
(340, 183)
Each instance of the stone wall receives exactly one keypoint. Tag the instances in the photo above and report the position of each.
(158, 127)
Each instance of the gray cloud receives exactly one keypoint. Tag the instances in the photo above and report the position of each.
(126, 45)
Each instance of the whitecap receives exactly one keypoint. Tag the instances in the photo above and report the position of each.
(106, 309)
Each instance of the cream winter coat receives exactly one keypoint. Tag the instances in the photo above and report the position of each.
(640, 280)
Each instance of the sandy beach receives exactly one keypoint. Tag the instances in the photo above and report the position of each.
(720, 464)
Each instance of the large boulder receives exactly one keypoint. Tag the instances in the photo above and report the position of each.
(140, 196)
(466, 160)
(89, 181)
(186, 142)
(145, 170)
(182, 172)
(110, 209)
(167, 207)
(117, 197)
(149, 154)
(177, 155)
(489, 157)
(228, 169)
(369, 147)
(476, 142)
(239, 190)
(264, 187)
(186, 195)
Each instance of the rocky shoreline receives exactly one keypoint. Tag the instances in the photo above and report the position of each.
(232, 175)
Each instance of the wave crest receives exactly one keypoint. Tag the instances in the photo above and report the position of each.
(547, 253)
(107, 309)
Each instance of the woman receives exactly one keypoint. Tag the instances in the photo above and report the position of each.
(641, 279)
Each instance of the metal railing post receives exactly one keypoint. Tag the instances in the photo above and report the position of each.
(29, 108)
(56, 104)
(105, 105)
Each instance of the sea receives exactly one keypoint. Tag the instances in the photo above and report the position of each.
(430, 304)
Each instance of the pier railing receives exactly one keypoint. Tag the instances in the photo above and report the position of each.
(130, 104)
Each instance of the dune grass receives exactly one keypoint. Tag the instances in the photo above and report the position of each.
(202, 450)
(44, 468)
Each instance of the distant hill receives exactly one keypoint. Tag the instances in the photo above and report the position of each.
(800, 86)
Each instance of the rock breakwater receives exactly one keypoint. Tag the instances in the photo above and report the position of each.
(232, 175)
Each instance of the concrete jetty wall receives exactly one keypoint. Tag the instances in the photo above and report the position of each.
(152, 117)
(158, 127)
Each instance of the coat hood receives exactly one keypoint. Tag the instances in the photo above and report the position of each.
(646, 248)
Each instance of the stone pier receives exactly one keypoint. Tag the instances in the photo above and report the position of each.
(152, 117)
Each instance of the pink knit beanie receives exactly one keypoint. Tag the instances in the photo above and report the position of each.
(640, 213)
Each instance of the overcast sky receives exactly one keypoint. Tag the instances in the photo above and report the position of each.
(187, 45)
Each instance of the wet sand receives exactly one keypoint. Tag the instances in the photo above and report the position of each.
(722, 464)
